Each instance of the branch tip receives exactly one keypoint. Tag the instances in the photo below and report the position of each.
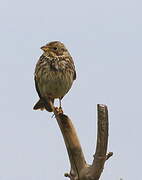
(102, 105)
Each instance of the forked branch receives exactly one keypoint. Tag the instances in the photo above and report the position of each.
(80, 170)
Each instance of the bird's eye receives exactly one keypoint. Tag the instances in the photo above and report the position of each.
(55, 48)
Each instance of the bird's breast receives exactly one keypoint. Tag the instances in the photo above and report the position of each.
(54, 76)
(55, 83)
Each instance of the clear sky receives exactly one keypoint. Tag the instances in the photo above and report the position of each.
(105, 40)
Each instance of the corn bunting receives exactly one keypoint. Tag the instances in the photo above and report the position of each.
(54, 74)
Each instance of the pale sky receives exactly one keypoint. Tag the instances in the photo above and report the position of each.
(105, 40)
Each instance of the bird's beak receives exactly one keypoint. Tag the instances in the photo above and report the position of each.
(44, 48)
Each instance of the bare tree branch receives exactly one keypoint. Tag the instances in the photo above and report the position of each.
(75, 153)
(80, 170)
(102, 142)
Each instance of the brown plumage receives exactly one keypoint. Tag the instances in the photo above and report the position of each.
(54, 74)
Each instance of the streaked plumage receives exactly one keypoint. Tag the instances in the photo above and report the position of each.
(54, 74)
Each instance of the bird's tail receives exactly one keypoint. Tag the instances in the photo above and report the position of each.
(42, 104)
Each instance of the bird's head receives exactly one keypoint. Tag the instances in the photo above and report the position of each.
(55, 48)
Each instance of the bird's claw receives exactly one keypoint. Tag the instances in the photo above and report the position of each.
(59, 110)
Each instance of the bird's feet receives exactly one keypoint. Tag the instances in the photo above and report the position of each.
(59, 110)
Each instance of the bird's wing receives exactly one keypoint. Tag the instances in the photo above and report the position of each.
(67, 63)
(72, 66)
(37, 89)
(74, 76)
(38, 66)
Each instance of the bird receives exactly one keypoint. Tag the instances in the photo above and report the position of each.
(54, 75)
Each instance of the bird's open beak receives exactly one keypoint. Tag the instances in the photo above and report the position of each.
(44, 48)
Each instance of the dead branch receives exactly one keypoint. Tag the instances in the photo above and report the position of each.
(80, 170)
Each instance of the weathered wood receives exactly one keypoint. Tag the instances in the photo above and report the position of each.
(80, 170)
